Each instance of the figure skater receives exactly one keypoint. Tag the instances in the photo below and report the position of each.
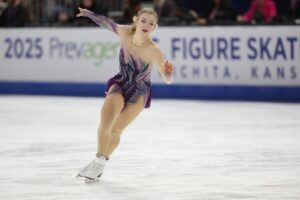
(129, 91)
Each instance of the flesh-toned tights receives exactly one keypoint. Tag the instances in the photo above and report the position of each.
(114, 119)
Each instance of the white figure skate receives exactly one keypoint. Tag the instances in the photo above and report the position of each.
(93, 171)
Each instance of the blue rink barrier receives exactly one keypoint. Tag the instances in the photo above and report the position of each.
(204, 92)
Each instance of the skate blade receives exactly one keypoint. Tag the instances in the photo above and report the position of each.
(89, 180)
(79, 176)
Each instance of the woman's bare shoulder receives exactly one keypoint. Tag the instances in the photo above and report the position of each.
(123, 30)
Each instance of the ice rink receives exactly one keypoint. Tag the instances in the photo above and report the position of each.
(176, 150)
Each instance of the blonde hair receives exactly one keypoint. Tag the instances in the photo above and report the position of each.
(136, 18)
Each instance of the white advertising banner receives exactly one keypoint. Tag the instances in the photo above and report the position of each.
(266, 56)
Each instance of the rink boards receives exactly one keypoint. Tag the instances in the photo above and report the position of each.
(234, 63)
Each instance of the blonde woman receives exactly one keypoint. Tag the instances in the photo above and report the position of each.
(128, 92)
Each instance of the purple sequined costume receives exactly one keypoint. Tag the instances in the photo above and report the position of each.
(133, 80)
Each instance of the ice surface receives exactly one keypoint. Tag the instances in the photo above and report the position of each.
(174, 150)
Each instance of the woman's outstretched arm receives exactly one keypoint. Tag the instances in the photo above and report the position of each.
(99, 19)
(164, 66)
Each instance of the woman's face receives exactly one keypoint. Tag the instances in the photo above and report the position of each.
(146, 23)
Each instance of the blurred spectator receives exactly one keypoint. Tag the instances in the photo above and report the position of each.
(92, 5)
(240, 6)
(60, 14)
(221, 13)
(284, 7)
(131, 7)
(14, 15)
(260, 11)
(166, 11)
(102, 7)
(36, 14)
(3, 5)
(195, 11)
(63, 17)
(171, 12)
(288, 10)
(295, 7)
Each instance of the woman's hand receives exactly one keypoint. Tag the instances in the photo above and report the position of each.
(81, 12)
(168, 70)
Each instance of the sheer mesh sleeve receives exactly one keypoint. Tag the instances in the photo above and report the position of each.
(101, 20)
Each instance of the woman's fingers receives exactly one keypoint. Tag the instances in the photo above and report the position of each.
(80, 12)
(168, 68)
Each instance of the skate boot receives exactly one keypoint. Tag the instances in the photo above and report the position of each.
(94, 170)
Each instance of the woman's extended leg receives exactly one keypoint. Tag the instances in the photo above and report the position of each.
(130, 112)
(112, 107)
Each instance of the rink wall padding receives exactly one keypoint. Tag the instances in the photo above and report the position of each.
(201, 92)
(251, 63)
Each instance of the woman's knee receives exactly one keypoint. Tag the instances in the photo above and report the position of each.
(116, 131)
(102, 130)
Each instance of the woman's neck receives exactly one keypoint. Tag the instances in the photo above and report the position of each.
(140, 40)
